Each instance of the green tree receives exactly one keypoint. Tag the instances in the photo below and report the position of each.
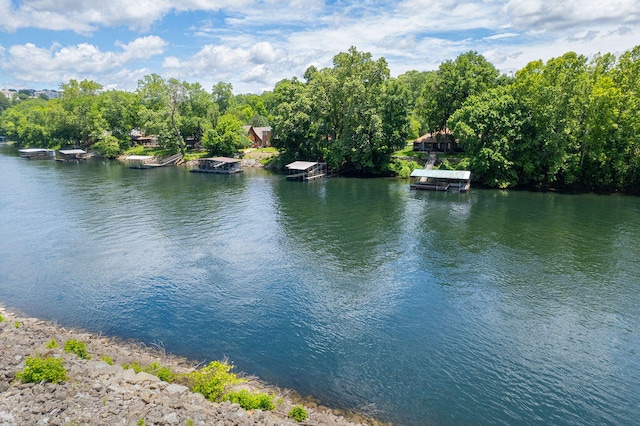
(226, 138)
(455, 81)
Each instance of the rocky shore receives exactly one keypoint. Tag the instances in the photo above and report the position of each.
(99, 391)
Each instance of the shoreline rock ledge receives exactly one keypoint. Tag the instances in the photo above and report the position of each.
(104, 393)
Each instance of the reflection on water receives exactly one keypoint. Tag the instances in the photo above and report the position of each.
(489, 307)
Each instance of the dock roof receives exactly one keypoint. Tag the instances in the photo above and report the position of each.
(222, 159)
(301, 165)
(33, 150)
(72, 151)
(442, 174)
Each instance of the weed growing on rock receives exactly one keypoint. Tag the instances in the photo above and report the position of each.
(74, 346)
(52, 344)
(212, 380)
(1, 318)
(251, 401)
(163, 373)
(107, 359)
(38, 369)
(16, 324)
(298, 413)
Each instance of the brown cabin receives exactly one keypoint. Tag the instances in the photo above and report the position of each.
(260, 136)
(436, 142)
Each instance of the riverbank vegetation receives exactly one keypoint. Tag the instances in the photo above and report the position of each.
(571, 123)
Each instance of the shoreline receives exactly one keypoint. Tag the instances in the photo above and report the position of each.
(99, 392)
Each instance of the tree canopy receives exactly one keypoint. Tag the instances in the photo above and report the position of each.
(570, 122)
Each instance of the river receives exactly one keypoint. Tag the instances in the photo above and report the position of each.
(491, 307)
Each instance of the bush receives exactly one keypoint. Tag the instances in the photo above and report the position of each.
(298, 413)
(107, 359)
(212, 380)
(1, 318)
(38, 369)
(52, 344)
(163, 373)
(75, 347)
(251, 401)
(402, 168)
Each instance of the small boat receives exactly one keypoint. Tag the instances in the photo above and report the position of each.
(441, 180)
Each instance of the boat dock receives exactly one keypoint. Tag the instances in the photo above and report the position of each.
(306, 170)
(219, 165)
(441, 180)
(37, 153)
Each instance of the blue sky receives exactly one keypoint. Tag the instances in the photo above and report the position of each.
(253, 44)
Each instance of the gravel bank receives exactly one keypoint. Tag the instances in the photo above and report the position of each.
(98, 393)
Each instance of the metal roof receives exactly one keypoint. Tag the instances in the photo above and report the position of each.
(300, 165)
(222, 159)
(32, 150)
(442, 174)
(72, 151)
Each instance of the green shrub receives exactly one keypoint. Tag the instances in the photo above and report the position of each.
(74, 346)
(134, 365)
(52, 344)
(38, 369)
(107, 359)
(1, 318)
(163, 373)
(16, 324)
(251, 401)
(402, 168)
(212, 380)
(298, 413)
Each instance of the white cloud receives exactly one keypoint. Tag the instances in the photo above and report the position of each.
(30, 63)
(87, 16)
(255, 43)
(262, 53)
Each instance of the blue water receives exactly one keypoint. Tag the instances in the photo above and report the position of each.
(489, 307)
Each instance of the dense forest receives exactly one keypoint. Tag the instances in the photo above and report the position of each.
(570, 123)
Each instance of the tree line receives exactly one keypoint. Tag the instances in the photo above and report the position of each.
(570, 122)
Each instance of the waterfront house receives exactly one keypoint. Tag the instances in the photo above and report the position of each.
(260, 136)
(436, 142)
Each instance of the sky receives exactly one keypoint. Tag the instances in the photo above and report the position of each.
(253, 44)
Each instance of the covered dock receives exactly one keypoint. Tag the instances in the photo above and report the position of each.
(37, 153)
(220, 165)
(72, 155)
(306, 170)
(441, 180)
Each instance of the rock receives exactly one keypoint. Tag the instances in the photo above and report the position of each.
(98, 393)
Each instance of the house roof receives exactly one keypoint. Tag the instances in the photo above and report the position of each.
(300, 165)
(442, 174)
